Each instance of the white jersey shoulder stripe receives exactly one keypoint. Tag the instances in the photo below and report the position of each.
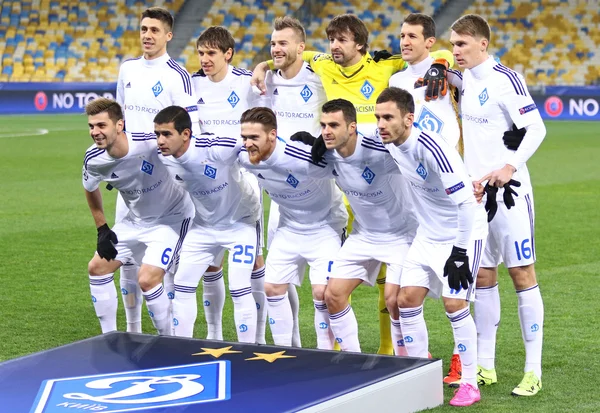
(514, 79)
(436, 151)
(187, 83)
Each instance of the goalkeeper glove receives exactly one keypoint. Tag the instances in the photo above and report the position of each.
(457, 269)
(509, 192)
(381, 55)
(107, 240)
(304, 137)
(436, 80)
(513, 138)
(318, 150)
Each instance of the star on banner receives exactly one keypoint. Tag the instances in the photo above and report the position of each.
(216, 352)
(271, 357)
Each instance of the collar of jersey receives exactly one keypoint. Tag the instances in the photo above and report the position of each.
(156, 62)
(351, 71)
(420, 68)
(484, 69)
(412, 139)
(279, 148)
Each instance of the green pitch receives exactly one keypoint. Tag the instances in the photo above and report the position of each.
(47, 236)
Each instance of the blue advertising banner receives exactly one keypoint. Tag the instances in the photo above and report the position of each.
(25, 98)
(569, 106)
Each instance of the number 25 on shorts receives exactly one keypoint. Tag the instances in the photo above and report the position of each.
(245, 251)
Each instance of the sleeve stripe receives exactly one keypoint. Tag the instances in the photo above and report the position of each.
(210, 144)
(216, 140)
(140, 134)
(373, 147)
(436, 151)
(372, 142)
(305, 160)
(143, 139)
(301, 154)
(512, 76)
(187, 83)
(456, 72)
(89, 158)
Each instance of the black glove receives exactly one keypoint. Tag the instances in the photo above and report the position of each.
(318, 150)
(457, 269)
(419, 83)
(436, 80)
(491, 205)
(107, 240)
(381, 54)
(304, 137)
(509, 192)
(513, 138)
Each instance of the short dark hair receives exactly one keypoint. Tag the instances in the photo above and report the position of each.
(423, 20)
(217, 37)
(174, 114)
(160, 13)
(262, 115)
(343, 105)
(472, 25)
(402, 98)
(349, 23)
(288, 22)
(100, 105)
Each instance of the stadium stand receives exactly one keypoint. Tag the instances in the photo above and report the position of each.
(48, 40)
(250, 23)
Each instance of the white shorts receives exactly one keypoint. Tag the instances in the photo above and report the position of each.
(362, 256)
(511, 237)
(424, 267)
(157, 246)
(203, 246)
(290, 252)
(260, 227)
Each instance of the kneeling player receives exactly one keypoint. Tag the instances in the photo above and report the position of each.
(155, 226)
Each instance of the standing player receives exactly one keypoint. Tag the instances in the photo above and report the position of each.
(446, 240)
(224, 93)
(384, 223)
(146, 85)
(227, 211)
(350, 72)
(494, 98)
(311, 225)
(151, 233)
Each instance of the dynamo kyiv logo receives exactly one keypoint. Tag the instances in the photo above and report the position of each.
(157, 89)
(429, 121)
(137, 390)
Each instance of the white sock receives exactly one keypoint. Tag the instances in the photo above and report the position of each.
(244, 314)
(281, 320)
(213, 297)
(414, 330)
(325, 337)
(131, 294)
(531, 316)
(258, 292)
(295, 304)
(397, 338)
(169, 285)
(487, 319)
(345, 329)
(104, 297)
(465, 339)
(185, 309)
(159, 309)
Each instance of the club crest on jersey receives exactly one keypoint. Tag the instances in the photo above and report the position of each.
(306, 93)
(422, 171)
(429, 121)
(292, 180)
(210, 172)
(483, 97)
(233, 99)
(367, 89)
(147, 167)
(368, 175)
(137, 390)
(157, 89)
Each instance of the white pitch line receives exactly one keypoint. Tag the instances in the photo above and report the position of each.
(37, 132)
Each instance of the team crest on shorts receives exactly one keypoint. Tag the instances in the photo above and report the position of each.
(210, 172)
(147, 167)
(422, 171)
(368, 175)
(138, 390)
(157, 89)
(483, 97)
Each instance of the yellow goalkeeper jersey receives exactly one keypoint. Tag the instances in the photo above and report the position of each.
(361, 83)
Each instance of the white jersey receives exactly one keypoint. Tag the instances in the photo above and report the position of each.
(436, 115)
(493, 98)
(439, 182)
(221, 104)
(375, 190)
(305, 192)
(297, 102)
(150, 194)
(209, 171)
(145, 87)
